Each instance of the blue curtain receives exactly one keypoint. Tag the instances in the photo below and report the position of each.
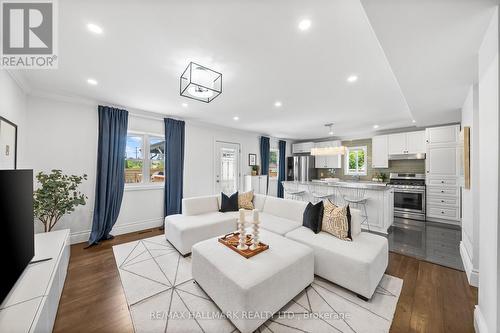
(282, 165)
(110, 176)
(174, 165)
(264, 156)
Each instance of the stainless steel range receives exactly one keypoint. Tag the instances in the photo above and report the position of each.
(409, 195)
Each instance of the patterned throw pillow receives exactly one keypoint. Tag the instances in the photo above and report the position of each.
(245, 200)
(336, 221)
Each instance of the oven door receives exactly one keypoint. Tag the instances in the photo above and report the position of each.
(409, 203)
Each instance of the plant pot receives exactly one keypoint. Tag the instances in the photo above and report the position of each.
(254, 173)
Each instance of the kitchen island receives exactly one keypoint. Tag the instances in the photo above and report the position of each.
(379, 203)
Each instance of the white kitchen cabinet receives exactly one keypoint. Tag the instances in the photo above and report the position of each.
(442, 174)
(396, 143)
(415, 142)
(441, 160)
(301, 148)
(406, 143)
(257, 184)
(328, 162)
(442, 134)
(380, 152)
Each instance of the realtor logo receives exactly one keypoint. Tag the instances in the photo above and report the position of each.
(28, 34)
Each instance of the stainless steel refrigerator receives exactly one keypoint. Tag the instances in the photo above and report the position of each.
(301, 168)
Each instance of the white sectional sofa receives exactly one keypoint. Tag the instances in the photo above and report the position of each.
(358, 265)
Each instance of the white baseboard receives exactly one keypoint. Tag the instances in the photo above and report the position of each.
(470, 271)
(479, 322)
(83, 236)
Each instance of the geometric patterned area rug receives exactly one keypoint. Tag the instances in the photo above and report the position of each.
(163, 297)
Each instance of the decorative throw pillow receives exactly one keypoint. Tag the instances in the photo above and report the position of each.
(313, 214)
(337, 221)
(229, 204)
(245, 200)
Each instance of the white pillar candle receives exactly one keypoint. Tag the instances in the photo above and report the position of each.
(242, 215)
(255, 216)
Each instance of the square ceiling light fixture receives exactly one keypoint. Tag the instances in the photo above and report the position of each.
(200, 83)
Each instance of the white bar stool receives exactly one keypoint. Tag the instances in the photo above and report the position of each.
(357, 196)
(319, 193)
(293, 192)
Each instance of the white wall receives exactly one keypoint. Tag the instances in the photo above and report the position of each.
(469, 247)
(13, 108)
(199, 168)
(62, 134)
(486, 314)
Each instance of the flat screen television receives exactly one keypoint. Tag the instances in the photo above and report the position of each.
(17, 234)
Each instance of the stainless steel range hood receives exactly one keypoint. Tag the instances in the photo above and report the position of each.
(419, 156)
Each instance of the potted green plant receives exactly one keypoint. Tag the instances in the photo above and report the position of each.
(255, 170)
(383, 177)
(56, 196)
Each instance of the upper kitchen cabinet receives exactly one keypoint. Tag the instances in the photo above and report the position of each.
(301, 148)
(443, 134)
(328, 162)
(380, 152)
(406, 143)
(396, 143)
(415, 142)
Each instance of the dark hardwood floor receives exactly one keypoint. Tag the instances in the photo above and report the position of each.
(434, 298)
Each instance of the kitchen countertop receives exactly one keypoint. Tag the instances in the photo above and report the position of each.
(343, 183)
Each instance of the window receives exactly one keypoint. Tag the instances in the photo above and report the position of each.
(273, 163)
(355, 161)
(143, 168)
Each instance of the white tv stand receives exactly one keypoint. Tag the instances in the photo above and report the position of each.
(31, 305)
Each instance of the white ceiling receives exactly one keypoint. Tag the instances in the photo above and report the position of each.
(263, 56)
(432, 48)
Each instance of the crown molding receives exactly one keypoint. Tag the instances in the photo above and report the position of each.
(20, 80)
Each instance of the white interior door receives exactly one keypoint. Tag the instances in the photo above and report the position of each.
(227, 167)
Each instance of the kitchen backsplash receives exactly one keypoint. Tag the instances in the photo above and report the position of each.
(410, 166)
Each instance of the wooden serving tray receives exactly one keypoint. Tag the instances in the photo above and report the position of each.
(231, 241)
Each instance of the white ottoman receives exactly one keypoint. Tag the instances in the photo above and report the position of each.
(251, 290)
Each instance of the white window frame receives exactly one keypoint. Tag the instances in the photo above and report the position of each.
(146, 162)
(277, 162)
(357, 172)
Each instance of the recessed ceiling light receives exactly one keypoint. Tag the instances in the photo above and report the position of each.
(92, 82)
(94, 28)
(375, 126)
(304, 24)
(236, 118)
(278, 104)
(352, 78)
(414, 121)
(184, 105)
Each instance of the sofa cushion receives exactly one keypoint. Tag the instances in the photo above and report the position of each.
(236, 215)
(200, 205)
(229, 203)
(358, 265)
(312, 216)
(285, 208)
(184, 231)
(258, 201)
(355, 222)
(277, 224)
